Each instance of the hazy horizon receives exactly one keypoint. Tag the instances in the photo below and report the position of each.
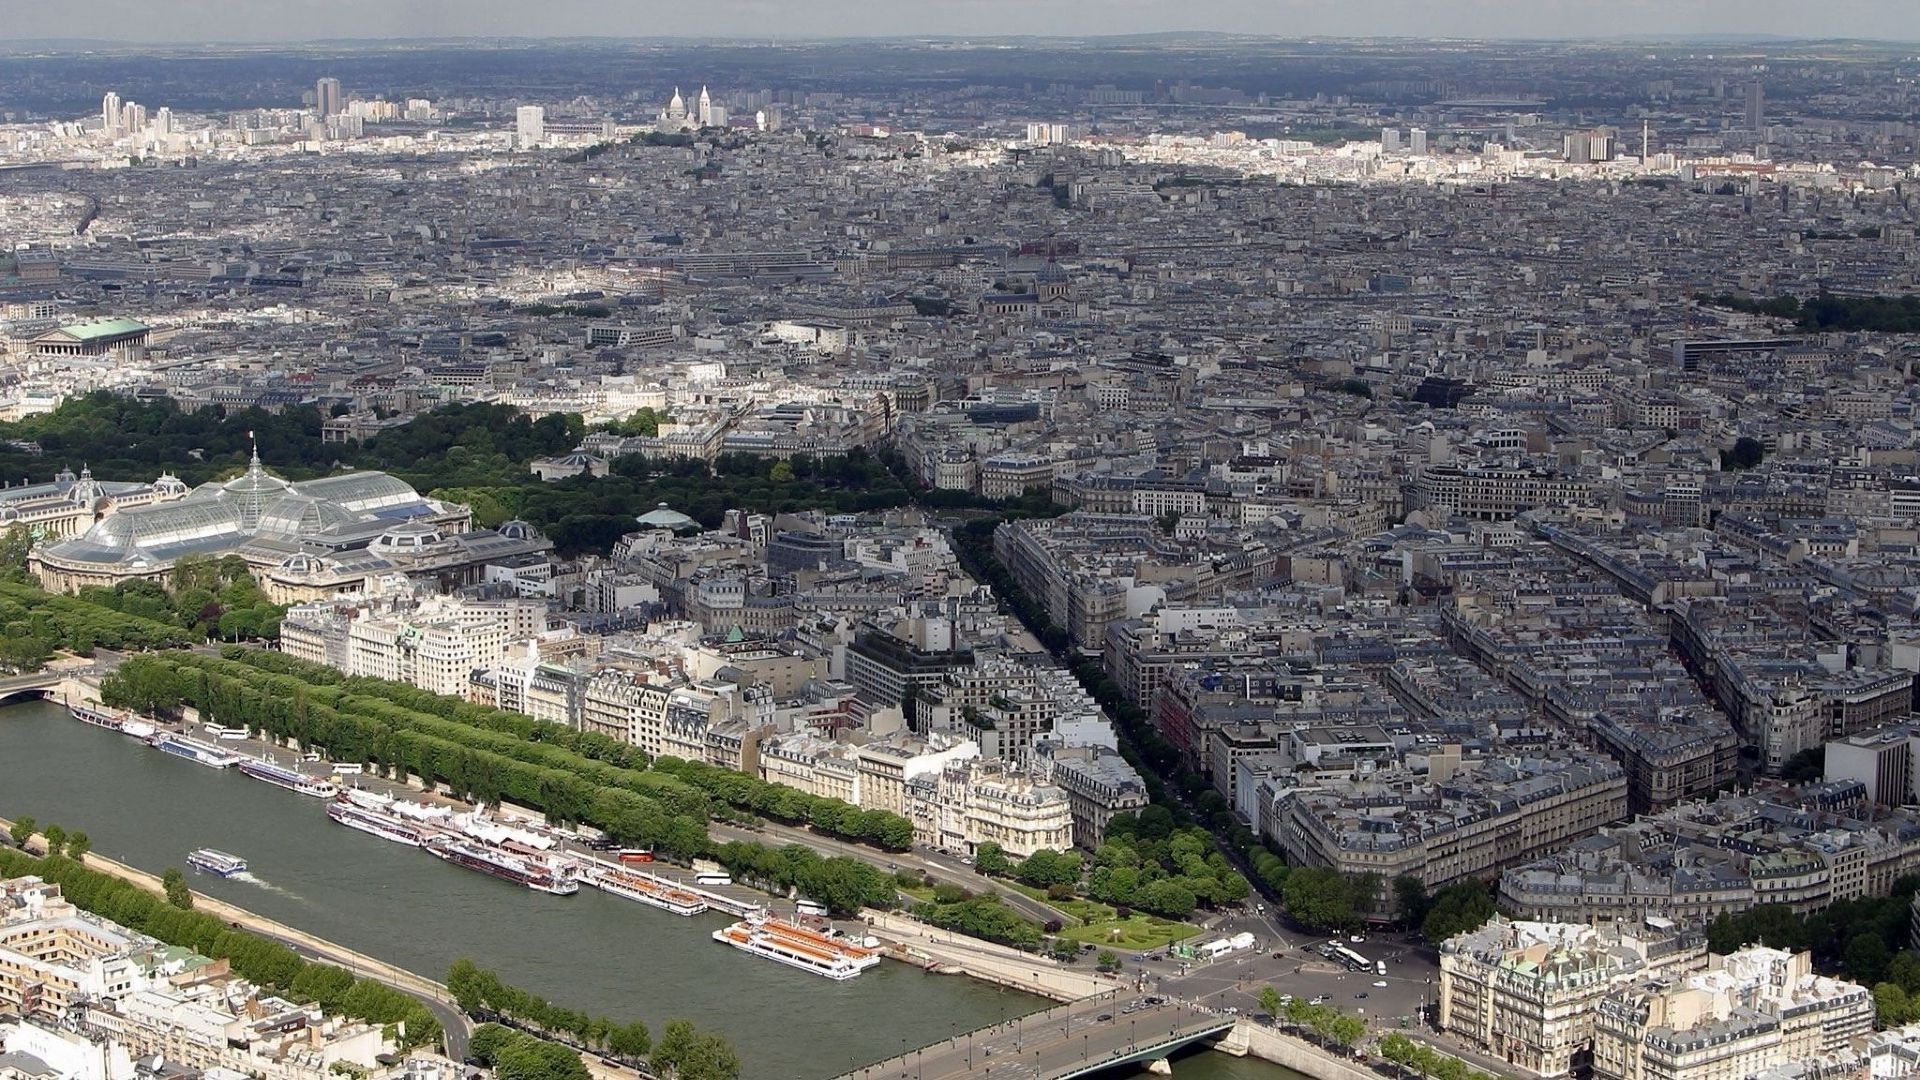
(175, 22)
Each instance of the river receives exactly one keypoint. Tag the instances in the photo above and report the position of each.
(591, 951)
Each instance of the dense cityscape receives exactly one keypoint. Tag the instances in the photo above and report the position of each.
(1239, 556)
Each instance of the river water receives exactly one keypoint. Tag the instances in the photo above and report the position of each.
(591, 951)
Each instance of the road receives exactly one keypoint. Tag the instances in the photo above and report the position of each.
(452, 1021)
(1058, 1042)
(939, 867)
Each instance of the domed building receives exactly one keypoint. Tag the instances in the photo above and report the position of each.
(310, 540)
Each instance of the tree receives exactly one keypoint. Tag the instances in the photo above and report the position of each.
(1746, 453)
(1457, 909)
(1410, 895)
(1805, 767)
(686, 1053)
(781, 473)
(1108, 960)
(1346, 1030)
(1397, 1048)
(175, 884)
(989, 859)
(1270, 1001)
(1867, 957)
(1320, 897)
(1891, 1005)
(56, 840)
(23, 827)
(78, 845)
(15, 543)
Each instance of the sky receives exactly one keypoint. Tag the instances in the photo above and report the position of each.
(296, 20)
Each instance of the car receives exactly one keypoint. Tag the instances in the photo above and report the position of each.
(1233, 1010)
(1320, 999)
(1361, 996)
(1379, 984)
(1279, 956)
(1153, 1000)
(1139, 958)
(1104, 1016)
(1357, 939)
(1286, 999)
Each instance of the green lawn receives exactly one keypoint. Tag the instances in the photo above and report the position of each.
(1136, 933)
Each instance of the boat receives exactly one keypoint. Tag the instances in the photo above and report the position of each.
(97, 716)
(500, 833)
(135, 728)
(292, 779)
(380, 823)
(216, 862)
(536, 872)
(186, 746)
(643, 888)
(797, 946)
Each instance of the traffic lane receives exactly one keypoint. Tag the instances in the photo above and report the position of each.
(452, 1021)
(951, 874)
(1044, 1043)
(1240, 988)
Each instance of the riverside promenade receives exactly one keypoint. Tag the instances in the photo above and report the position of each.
(948, 952)
(434, 995)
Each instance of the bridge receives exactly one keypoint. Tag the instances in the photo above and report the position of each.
(1080, 1039)
(38, 683)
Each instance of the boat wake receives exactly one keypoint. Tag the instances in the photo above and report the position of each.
(248, 877)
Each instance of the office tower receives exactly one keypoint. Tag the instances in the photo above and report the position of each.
(1646, 134)
(110, 112)
(529, 126)
(1389, 140)
(327, 98)
(1756, 107)
(163, 121)
(1417, 140)
(133, 118)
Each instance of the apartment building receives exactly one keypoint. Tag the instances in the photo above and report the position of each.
(1748, 1012)
(1527, 992)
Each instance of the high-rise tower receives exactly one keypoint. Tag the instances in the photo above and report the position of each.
(110, 112)
(1756, 107)
(327, 98)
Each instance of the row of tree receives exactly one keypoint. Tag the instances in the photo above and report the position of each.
(1863, 939)
(1328, 1024)
(1825, 311)
(514, 1051)
(262, 961)
(74, 845)
(684, 787)
(37, 623)
(1423, 1060)
(480, 993)
(845, 885)
(517, 1055)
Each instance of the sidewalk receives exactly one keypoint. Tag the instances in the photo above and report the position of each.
(995, 963)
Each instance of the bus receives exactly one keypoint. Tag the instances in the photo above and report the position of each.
(814, 908)
(1353, 960)
(713, 877)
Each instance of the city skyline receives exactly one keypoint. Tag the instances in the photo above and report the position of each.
(174, 21)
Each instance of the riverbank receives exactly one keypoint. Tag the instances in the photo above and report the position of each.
(434, 995)
(595, 952)
(911, 942)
